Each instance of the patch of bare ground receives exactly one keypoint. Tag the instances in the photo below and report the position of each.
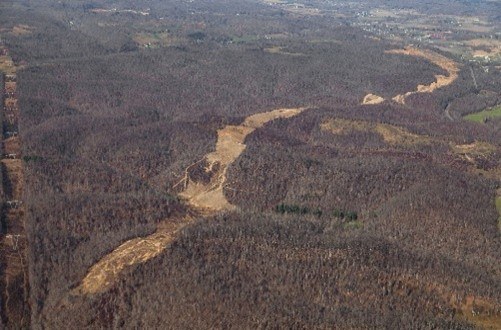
(443, 62)
(230, 144)
(7, 65)
(372, 99)
(135, 251)
(205, 197)
(10, 86)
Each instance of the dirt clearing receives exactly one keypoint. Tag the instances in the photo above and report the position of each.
(229, 145)
(441, 81)
(135, 251)
(372, 99)
(205, 197)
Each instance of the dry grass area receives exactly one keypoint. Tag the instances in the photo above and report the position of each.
(207, 198)
(391, 134)
(476, 148)
(21, 29)
(385, 13)
(441, 81)
(493, 47)
(372, 99)
(474, 24)
(7, 65)
(480, 312)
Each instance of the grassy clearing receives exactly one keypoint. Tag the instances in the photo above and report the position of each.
(482, 116)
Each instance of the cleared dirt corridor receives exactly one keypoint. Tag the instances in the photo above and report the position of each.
(204, 198)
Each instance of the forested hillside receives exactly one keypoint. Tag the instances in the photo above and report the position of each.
(338, 214)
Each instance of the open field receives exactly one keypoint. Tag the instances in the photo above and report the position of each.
(482, 116)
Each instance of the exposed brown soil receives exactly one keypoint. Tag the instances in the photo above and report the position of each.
(204, 196)
(447, 64)
(441, 81)
(372, 99)
(135, 251)
(230, 144)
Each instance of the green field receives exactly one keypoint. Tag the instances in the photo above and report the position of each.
(481, 116)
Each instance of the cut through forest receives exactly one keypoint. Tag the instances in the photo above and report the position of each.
(204, 197)
(249, 164)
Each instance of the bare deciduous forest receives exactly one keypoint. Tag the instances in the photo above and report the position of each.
(343, 215)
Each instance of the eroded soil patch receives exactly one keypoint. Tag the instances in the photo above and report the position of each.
(135, 251)
(441, 81)
(230, 144)
(372, 99)
(204, 196)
